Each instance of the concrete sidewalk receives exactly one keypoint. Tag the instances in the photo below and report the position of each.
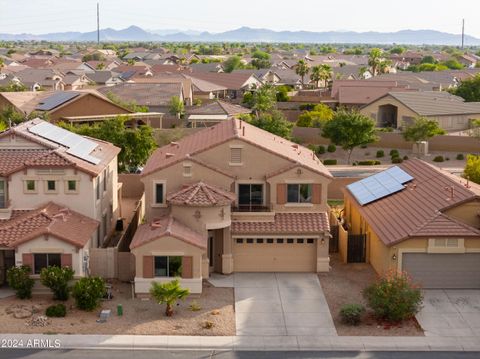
(240, 343)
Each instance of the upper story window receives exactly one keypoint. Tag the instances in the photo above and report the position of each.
(235, 156)
(3, 194)
(250, 195)
(30, 186)
(105, 179)
(159, 193)
(51, 186)
(71, 186)
(299, 193)
(97, 185)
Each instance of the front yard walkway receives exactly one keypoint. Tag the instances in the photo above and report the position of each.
(279, 304)
(451, 312)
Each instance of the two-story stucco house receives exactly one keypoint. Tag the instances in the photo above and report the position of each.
(231, 198)
(58, 196)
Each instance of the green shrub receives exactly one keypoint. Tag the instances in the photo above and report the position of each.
(321, 150)
(394, 297)
(56, 310)
(352, 313)
(460, 157)
(18, 278)
(405, 157)
(368, 163)
(438, 159)
(380, 154)
(363, 146)
(447, 158)
(397, 160)
(88, 291)
(329, 162)
(394, 153)
(57, 279)
(331, 148)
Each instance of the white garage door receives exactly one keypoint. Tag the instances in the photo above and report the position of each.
(460, 271)
(275, 255)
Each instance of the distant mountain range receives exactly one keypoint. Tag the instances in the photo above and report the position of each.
(247, 34)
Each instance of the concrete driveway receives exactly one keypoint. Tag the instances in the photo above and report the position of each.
(281, 304)
(450, 312)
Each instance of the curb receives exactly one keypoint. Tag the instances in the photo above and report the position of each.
(238, 343)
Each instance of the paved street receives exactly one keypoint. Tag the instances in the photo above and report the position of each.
(277, 304)
(450, 312)
(147, 354)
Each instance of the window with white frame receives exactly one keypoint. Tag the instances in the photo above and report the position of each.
(71, 186)
(159, 193)
(187, 170)
(168, 266)
(299, 193)
(3, 194)
(43, 260)
(445, 242)
(51, 186)
(30, 186)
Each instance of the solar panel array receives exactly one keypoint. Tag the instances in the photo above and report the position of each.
(56, 100)
(379, 185)
(78, 146)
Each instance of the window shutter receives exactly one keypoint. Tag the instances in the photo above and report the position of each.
(27, 260)
(148, 269)
(317, 193)
(281, 193)
(236, 155)
(66, 260)
(187, 267)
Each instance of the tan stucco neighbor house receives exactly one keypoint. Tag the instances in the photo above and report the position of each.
(58, 196)
(400, 108)
(231, 198)
(429, 227)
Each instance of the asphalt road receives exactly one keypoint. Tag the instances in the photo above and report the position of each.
(147, 354)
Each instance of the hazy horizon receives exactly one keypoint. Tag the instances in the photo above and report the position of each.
(49, 16)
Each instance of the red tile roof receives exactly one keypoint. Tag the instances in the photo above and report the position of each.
(286, 223)
(202, 195)
(415, 211)
(167, 227)
(216, 135)
(14, 160)
(50, 219)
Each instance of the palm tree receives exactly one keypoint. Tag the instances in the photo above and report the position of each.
(361, 71)
(316, 75)
(374, 60)
(168, 293)
(326, 73)
(302, 70)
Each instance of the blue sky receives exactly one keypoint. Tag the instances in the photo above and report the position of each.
(42, 16)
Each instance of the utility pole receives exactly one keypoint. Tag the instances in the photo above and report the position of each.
(98, 24)
(463, 32)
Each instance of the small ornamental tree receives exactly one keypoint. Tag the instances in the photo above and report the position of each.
(176, 107)
(469, 89)
(350, 129)
(18, 278)
(168, 293)
(422, 129)
(472, 169)
(394, 297)
(88, 291)
(57, 279)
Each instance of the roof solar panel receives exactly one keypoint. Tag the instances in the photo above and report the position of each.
(77, 145)
(379, 185)
(56, 100)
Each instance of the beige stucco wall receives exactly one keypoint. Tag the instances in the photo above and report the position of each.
(467, 213)
(168, 246)
(51, 244)
(201, 219)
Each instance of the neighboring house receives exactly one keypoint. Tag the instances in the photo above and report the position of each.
(75, 82)
(104, 78)
(419, 219)
(231, 198)
(468, 61)
(206, 90)
(36, 79)
(210, 67)
(397, 109)
(213, 113)
(58, 196)
(235, 83)
(61, 104)
(351, 72)
(156, 96)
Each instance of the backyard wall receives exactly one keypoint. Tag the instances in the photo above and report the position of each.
(132, 187)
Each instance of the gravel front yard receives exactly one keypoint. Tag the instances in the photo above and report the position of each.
(139, 316)
(344, 285)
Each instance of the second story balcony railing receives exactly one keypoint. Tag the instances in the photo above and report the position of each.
(251, 208)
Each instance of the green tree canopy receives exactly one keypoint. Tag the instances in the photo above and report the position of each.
(469, 89)
(274, 122)
(302, 69)
(232, 63)
(350, 129)
(397, 50)
(472, 168)
(422, 129)
(320, 114)
(428, 60)
(176, 106)
(137, 144)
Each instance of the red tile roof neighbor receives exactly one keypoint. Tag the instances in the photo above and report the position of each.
(167, 227)
(202, 195)
(228, 130)
(286, 223)
(416, 211)
(51, 220)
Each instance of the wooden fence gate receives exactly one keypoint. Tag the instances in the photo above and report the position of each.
(356, 252)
